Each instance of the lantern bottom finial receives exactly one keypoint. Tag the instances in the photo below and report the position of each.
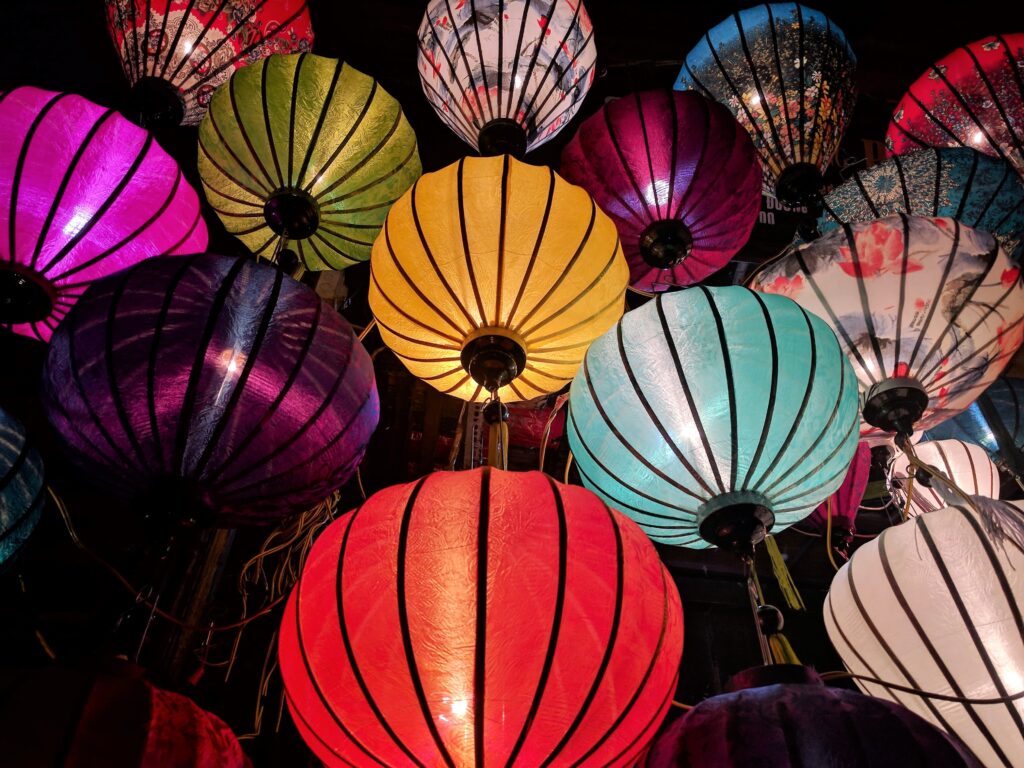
(666, 243)
(155, 103)
(895, 405)
(798, 184)
(292, 213)
(493, 359)
(502, 136)
(735, 522)
(24, 297)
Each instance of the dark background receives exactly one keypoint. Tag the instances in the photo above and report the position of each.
(82, 612)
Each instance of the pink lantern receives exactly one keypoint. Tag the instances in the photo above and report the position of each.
(845, 502)
(84, 193)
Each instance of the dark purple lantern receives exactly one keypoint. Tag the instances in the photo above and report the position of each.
(212, 388)
(783, 716)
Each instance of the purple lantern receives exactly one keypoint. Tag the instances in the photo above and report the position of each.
(678, 176)
(211, 386)
(845, 502)
(83, 193)
(783, 716)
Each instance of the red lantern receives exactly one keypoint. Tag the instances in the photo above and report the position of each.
(844, 504)
(556, 642)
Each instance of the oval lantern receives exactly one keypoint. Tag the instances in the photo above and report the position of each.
(481, 617)
(678, 176)
(928, 310)
(22, 487)
(83, 193)
(971, 98)
(75, 718)
(968, 466)
(710, 415)
(506, 75)
(787, 73)
(844, 504)
(306, 152)
(977, 190)
(934, 605)
(494, 275)
(783, 716)
(176, 52)
(1006, 395)
(211, 387)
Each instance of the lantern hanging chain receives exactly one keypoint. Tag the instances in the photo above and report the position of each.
(460, 431)
(756, 597)
(568, 466)
(828, 534)
(924, 694)
(366, 331)
(561, 400)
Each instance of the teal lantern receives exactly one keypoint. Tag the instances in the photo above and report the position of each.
(22, 491)
(713, 414)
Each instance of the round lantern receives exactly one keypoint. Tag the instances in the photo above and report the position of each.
(678, 176)
(787, 73)
(844, 504)
(710, 415)
(74, 718)
(972, 426)
(305, 152)
(481, 617)
(212, 387)
(934, 605)
(83, 193)
(979, 191)
(971, 98)
(22, 489)
(968, 466)
(783, 716)
(506, 75)
(492, 275)
(928, 310)
(176, 52)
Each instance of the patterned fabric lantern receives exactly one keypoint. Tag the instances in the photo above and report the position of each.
(787, 73)
(77, 719)
(176, 52)
(971, 98)
(928, 310)
(959, 183)
(494, 275)
(678, 176)
(22, 490)
(481, 618)
(934, 605)
(972, 426)
(783, 716)
(506, 75)
(83, 193)
(844, 504)
(708, 415)
(306, 151)
(966, 465)
(213, 387)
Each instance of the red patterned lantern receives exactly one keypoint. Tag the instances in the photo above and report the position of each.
(481, 616)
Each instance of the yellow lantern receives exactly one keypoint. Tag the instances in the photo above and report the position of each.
(307, 151)
(491, 277)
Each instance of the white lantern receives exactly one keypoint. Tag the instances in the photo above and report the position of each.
(935, 604)
(967, 465)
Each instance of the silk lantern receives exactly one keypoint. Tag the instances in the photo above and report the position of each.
(844, 504)
(493, 276)
(83, 193)
(934, 605)
(928, 310)
(176, 52)
(959, 183)
(712, 414)
(305, 151)
(783, 716)
(506, 75)
(22, 489)
(78, 719)
(971, 98)
(1006, 395)
(481, 616)
(211, 388)
(787, 73)
(968, 466)
(678, 176)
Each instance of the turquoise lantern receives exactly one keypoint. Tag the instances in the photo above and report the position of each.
(22, 490)
(713, 415)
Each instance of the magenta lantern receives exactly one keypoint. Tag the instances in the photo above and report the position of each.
(845, 502)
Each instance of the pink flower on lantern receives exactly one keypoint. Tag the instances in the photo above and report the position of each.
(785, 286)
(1009, 277)
(879, 251)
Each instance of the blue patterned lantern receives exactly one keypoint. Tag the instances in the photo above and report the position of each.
(710, 414)
(957, 182)
(21, 487)
(1006, 396)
